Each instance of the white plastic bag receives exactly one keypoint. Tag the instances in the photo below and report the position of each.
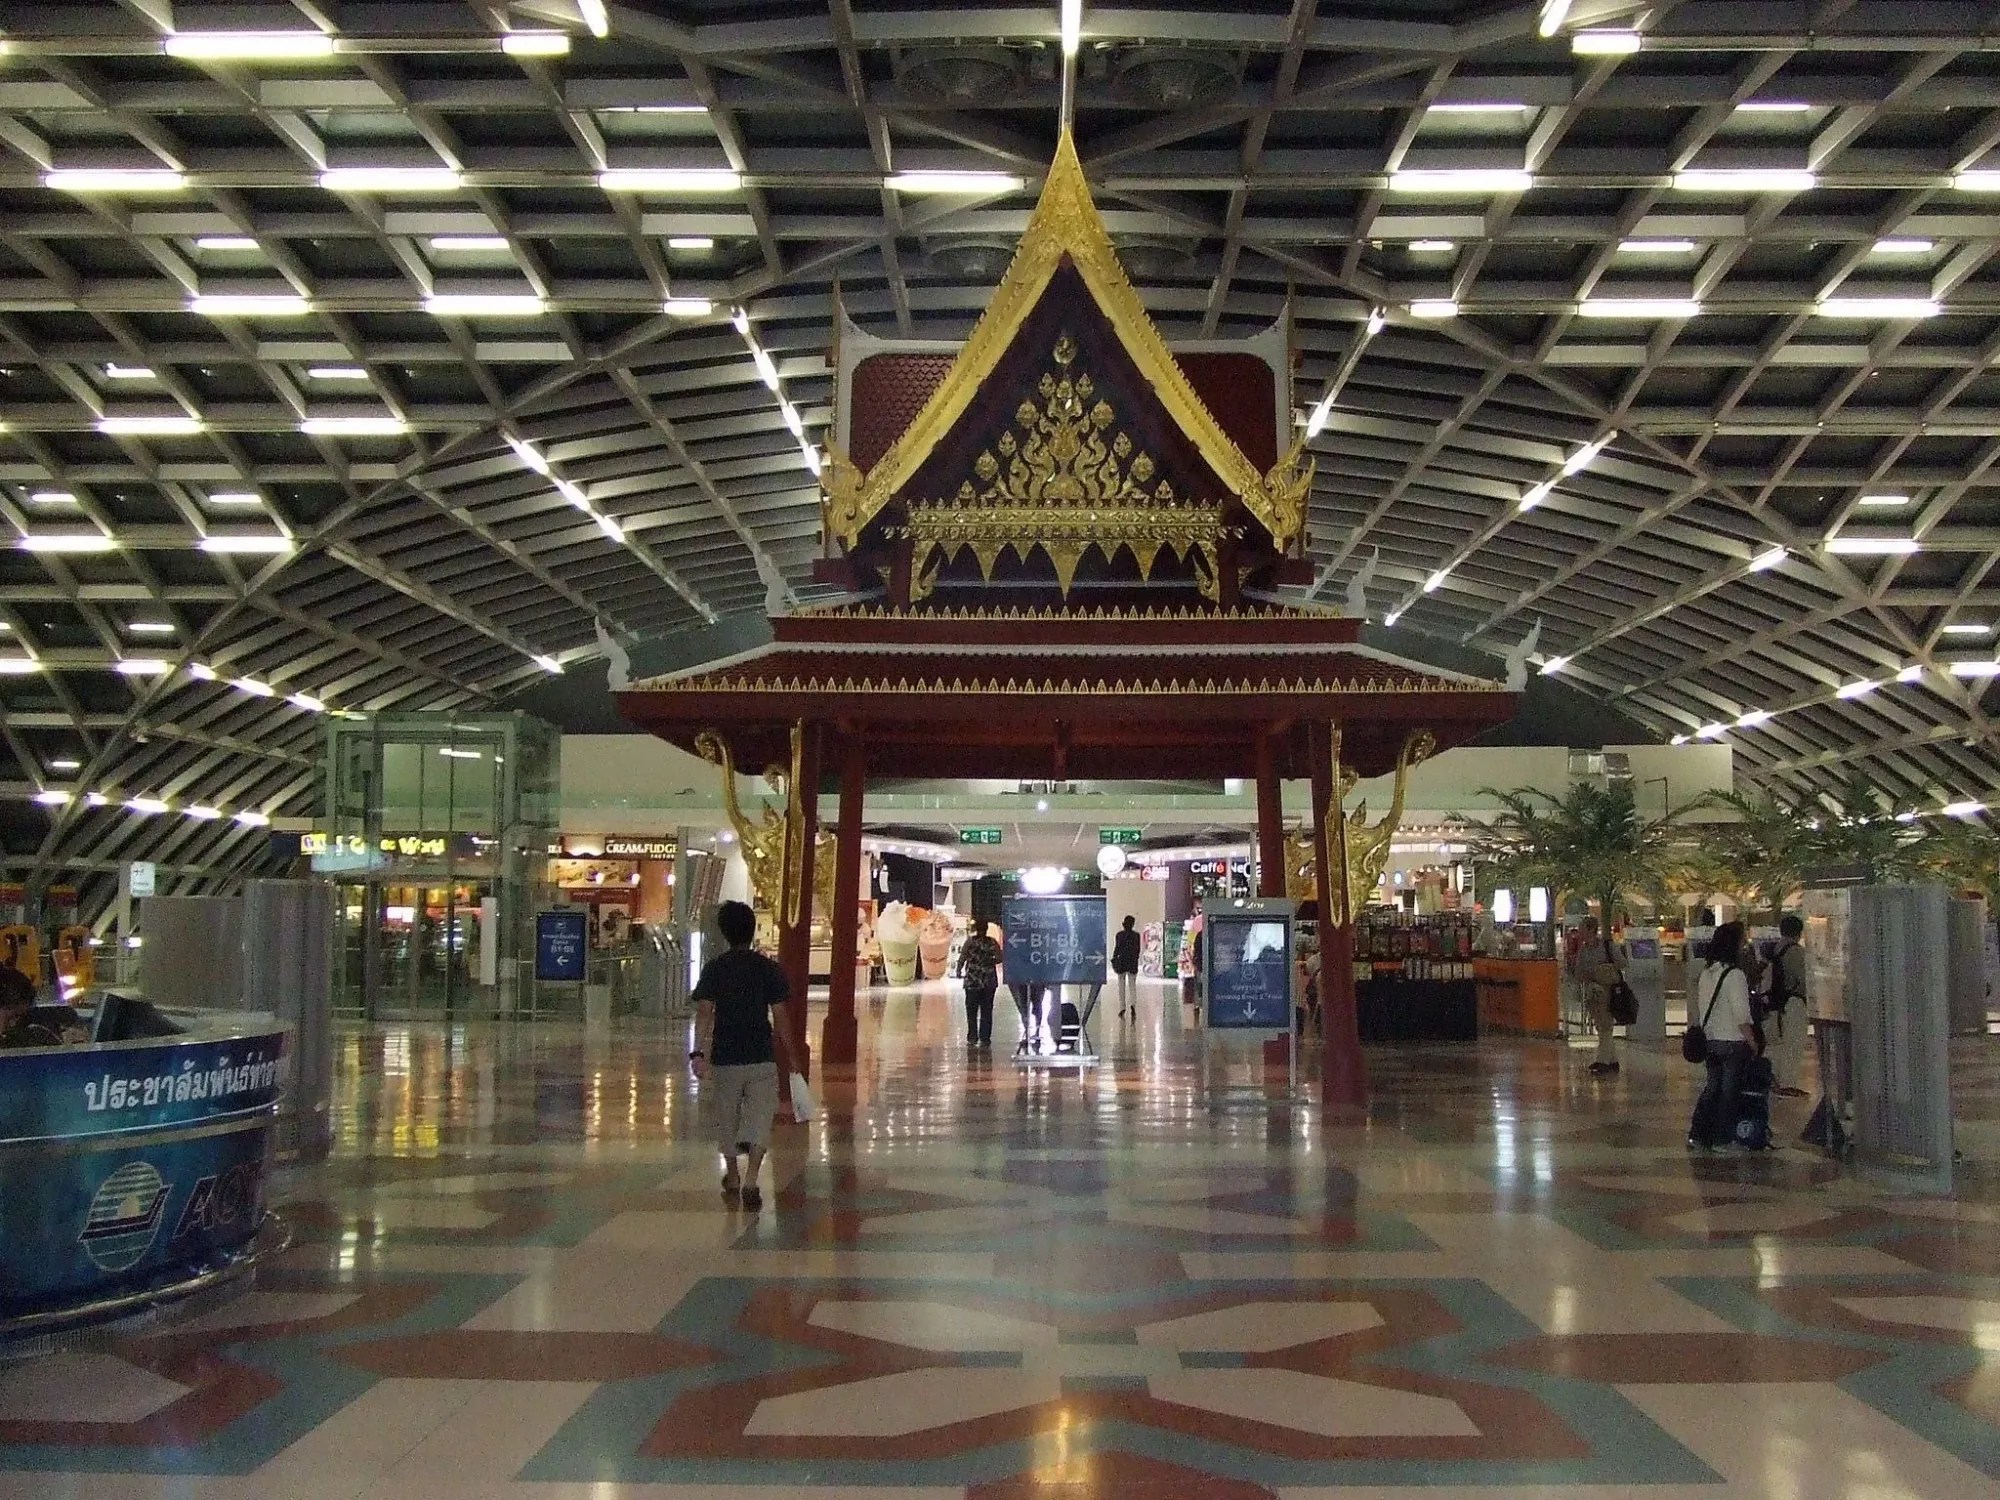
(802, 1099)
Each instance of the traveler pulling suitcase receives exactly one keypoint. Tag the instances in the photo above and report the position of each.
(1753, 1118)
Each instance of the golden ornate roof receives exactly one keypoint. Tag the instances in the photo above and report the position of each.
(1066, 224)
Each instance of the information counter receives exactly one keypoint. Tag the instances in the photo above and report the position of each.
(1519, 995)
(133, 1172)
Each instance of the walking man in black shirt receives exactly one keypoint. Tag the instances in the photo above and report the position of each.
(734, 1047)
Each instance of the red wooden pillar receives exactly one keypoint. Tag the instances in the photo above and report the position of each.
(795, 938)
(1270, 820)
(1343, 1075)
(839, 1039)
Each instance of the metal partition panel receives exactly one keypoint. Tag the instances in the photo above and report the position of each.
(1899, 993)
(1968, 967)
(191, 953)
(287, 960)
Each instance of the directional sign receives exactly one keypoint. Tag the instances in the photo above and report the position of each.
(562, 942)
(1124, 837)
(1054, 939)
(1247, 947)
(979, 835)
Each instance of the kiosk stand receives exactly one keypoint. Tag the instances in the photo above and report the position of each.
(1247, 950)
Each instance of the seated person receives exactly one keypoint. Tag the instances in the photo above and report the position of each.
(26, 1024)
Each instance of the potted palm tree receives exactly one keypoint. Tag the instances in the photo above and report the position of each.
(1591, 842)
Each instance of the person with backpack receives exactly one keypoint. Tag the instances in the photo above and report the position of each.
(1785, 1016)
(979, 966)
(1125, 964)
(1722, 1035)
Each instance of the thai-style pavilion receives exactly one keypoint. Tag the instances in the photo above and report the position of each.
(1064, 543)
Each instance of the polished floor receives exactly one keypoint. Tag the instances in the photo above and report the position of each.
(516, 1278)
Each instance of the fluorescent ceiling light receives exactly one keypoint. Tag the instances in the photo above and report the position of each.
(690, 242)
(249, 45)
(253, 687)
(147, 805)
(51, 497)
(267, 545)
(456, 754)
(1436, 581)
(115, 180)
(1587, 455)
(306, 701)
(549, 664)
(336, 372)
(1389, 620)
(792, 419)
(1745, 180)
(669, 180)
(1461, 180)
(1773, 107)
(1638, 307)
(390, 179)
(1753, 718)
(236, 499)
(1538, 494)
(144, 666)
(1872, 546)
(96, 799)
(1884, 502)
(1656, 247)
(149, 426)
(1856, 689)
(354, 426)
(52, 798)
(955, 182)
(535, 44)
(611, 528)
(485, 304)
(115, 371)
(249, 305)
(1766, 560)
(1711, 731)
(1605, 43)
(528, 455)
(1963, 809)
(1902, 247)
(1975, 668)
(1432, 247)
(1496, 107)
(1554, 13)
(1979, 181)
(201, 671)
(688, 307)
(1967, 627)
(69, 541)
(1912, 673)
(1877, 307)
(571, 492)
(150, 627)
(1070, 26)
(204, 814)
(594, 16)
(1554, 665)
(18, 666)
(767, 369)
(226, 242)
(65, 763)
(654, 109)
(1439, 307)
(468, 242)
(253, 819)
(1679, 739)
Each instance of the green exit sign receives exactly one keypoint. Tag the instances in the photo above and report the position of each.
(979, 835)
(1118, 835)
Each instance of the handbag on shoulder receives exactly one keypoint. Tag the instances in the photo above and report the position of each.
(1694, 1041)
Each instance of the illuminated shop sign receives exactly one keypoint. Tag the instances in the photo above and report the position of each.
(357, 851)
(617, 848)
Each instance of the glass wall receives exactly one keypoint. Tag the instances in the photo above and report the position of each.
(437, 828)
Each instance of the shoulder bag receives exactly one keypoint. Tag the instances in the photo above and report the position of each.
(1694, 1041)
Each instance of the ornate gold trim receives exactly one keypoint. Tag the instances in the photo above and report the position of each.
(1065, 222)
(1098, 687)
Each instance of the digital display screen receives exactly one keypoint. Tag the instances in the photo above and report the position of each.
(1249, 972)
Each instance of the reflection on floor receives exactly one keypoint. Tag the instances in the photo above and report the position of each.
(517, 1278)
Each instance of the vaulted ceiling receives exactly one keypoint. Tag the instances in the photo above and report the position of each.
(390, 375)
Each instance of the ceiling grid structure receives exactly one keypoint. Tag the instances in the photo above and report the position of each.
(392, 355)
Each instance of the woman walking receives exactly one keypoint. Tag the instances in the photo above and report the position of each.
(1720, 1004)
(1125, 964)
(979, 967)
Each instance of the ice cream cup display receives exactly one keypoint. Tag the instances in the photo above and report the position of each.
(934, 944)
(897, 935)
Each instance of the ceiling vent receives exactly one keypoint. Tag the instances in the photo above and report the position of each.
(970, 259)
(962, 75)
(1173, 77)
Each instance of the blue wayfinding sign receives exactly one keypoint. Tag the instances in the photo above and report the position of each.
(1053, 939)
(562, 943)
(1249, 960)
(126, 1164)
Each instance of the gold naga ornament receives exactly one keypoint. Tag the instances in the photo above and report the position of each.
(1067, 226)
(1068, 484)
(769, 843)
(1367, 844)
